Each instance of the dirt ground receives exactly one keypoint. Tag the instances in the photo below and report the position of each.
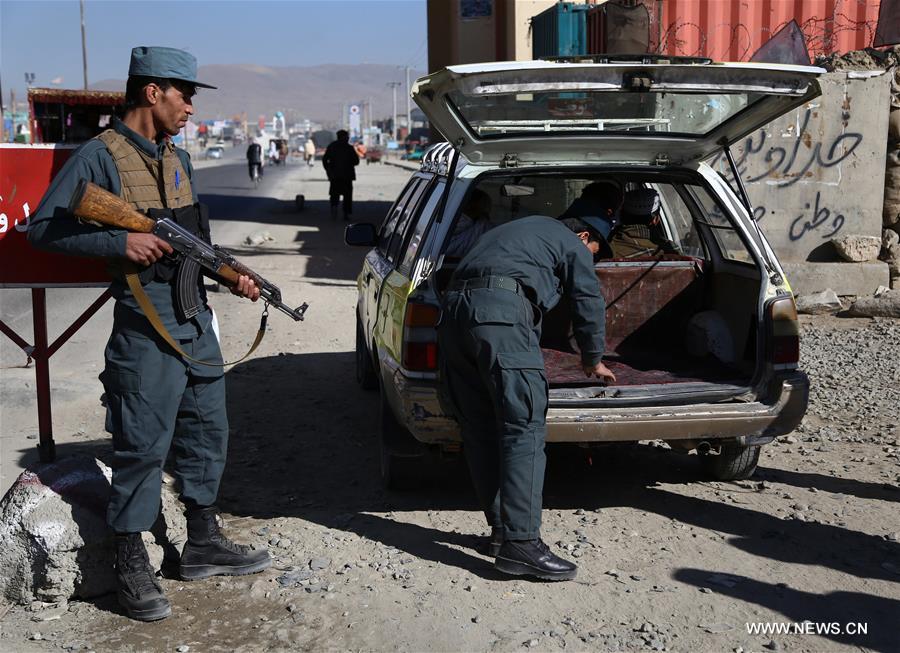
(668, 561)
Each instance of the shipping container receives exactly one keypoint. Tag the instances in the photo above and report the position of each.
(619, 28)
(732, 30)
(560, 31)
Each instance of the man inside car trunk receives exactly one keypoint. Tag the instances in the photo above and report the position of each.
(493, 370)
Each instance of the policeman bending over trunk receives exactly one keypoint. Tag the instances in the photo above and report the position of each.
(156, 400)
(493, 371)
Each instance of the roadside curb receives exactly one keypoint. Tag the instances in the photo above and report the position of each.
(401, 164)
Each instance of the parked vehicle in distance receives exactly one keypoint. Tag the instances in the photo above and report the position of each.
(702, 334)
(215, 152)
(374, 155)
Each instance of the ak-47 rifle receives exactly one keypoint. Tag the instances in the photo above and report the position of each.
(93, 203)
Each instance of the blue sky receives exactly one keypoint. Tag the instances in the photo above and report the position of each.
(44, 37)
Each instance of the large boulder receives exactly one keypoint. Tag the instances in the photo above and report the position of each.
(54, 541)
(883, 304)
(857, 249)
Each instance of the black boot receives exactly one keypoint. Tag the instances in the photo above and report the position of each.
(533, 558)
(496, 541)
(140, 595)
(209, 553)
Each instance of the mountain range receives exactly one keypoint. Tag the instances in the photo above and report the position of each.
(318, 93)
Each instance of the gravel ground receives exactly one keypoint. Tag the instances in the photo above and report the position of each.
(668, 561)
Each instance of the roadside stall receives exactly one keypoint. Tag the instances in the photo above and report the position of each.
(59, 121)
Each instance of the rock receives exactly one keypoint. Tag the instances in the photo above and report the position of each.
(819, 303)
(54, 541)
(772, 645)
(889, 238)
(716, 628)
(857, 248)
(258, 238)
(317, 564)
(184, 648)
(36, 637)
(887, 304)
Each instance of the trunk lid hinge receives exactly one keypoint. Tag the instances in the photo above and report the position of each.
(510, 160)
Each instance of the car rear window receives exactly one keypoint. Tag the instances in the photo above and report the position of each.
(499, 114)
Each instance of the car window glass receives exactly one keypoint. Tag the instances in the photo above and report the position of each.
(403, 219)
(677, 216)
(416, 234)
(729, 240)
(390, 221)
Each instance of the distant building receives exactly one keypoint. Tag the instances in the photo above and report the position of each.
(471, 31)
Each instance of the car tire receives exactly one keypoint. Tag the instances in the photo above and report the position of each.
(300, 202)
(734, 462)
(365, 368)
(401, 465)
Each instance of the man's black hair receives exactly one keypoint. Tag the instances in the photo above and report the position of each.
(577, 225)
(134, 88)
(343, 134)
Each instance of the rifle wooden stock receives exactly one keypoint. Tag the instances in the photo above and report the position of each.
(93, 203)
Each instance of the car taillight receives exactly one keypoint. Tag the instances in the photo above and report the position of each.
(784, 332)
(420, 338)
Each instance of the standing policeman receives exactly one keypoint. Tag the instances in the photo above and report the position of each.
(156, 400)
(489, 337)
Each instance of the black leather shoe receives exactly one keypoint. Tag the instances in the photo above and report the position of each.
(209, 553)
(533, 558)
(138, 591)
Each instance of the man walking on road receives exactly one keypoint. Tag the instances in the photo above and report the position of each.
(493, 371)
(156, 400)
(339, 161)
(254, 160)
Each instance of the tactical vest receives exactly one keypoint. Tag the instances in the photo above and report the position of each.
(148, 184)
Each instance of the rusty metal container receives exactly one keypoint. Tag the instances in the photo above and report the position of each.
(732, 30)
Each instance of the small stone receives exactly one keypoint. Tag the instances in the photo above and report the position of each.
(476, 619)
(532, 643)
(772, 645)
(317, 564)
(716, 628)
(184, 648)
(819, 303)
(36, 637)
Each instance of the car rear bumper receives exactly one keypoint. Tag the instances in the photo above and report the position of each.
(752, 421)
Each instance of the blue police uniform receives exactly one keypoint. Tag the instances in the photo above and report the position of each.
(492, 367)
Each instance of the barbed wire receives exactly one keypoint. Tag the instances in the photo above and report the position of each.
(822, 36)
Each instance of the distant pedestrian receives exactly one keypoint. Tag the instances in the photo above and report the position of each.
(309, 152)
(340, 160)
(254, 159)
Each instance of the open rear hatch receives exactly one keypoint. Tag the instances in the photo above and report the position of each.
(649, 111)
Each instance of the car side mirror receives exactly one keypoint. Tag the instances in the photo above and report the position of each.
(516, 190)
(360, 235)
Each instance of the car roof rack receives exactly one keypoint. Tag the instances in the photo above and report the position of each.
(437, 158)
(639, 58)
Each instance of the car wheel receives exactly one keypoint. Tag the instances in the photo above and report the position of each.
(300, 202)
(365, 369)
(401, 456)
(734, 462)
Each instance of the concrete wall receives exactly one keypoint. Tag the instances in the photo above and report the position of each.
(817, 173)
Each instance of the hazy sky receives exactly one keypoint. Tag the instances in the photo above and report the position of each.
(44, 37)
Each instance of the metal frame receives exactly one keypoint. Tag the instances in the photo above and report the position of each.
(41, 352)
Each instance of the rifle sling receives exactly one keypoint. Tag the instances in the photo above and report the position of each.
(146, 305)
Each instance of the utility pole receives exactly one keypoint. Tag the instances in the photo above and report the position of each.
(408, 104)
(394, 86)
(83, 47)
